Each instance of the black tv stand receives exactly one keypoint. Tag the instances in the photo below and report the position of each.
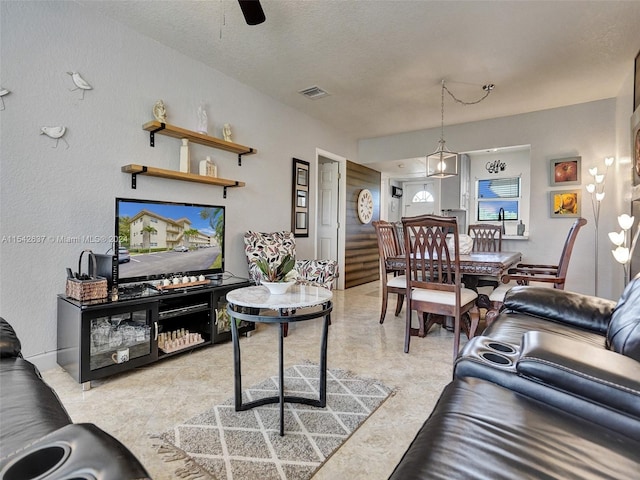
(142, 325)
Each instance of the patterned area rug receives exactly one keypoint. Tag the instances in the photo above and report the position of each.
(224, 444)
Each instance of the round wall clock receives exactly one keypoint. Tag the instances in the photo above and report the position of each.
(365, 206)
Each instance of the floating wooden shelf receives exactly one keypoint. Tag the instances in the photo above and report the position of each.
(154, 127)
(135, 170)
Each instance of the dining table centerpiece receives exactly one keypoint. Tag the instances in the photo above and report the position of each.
(277, 277)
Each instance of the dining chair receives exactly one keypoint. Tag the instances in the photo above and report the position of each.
(524, 273)
(486, 238)
(434, 289)
(389, 246)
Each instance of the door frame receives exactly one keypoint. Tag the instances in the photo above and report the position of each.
(341, 210)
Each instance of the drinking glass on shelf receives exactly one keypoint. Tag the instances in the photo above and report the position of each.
(115, 338)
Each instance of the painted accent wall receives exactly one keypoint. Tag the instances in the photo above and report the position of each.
(51, 192)
(361, 249)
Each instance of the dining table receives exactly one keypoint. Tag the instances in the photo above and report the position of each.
(472, 266)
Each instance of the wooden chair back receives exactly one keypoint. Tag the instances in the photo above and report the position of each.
(567, 250)
(486, 238)
(524, 273)
(425, 237)
(399, 236)
(387, 243)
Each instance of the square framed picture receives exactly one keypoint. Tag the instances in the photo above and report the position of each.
(301, 220)
(302, 198)
(565, 171)
(636, 83)
(635, 146)
(303, 177)
(565, 203)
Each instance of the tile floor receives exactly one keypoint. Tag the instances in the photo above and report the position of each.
(153, 398)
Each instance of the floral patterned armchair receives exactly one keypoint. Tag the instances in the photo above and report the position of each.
(276, 245)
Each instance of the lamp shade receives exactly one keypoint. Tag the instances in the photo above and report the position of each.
(442, 164)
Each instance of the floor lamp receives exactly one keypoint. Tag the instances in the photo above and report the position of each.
(623, 251)
(596, 189)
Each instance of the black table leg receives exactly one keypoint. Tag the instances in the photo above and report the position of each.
(237, 376)
(321, 401)
(281, 379)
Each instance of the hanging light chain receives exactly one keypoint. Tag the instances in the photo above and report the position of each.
(442, 114)
(487, 89)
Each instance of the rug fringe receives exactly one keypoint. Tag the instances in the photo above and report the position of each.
(191, 470)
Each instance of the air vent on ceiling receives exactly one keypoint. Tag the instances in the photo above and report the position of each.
(313, 93)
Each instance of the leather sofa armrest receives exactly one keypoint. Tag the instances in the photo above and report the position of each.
(9, 342)
(583, 311)
(78, 451)
(595, 374)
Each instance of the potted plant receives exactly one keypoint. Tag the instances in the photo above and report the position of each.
(277, 277)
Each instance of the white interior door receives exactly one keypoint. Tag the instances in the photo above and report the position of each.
(421, 198)
(328, 175)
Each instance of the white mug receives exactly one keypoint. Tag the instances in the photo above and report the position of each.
(121, 356)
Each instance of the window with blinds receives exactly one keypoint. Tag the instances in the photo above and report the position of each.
(495, 194)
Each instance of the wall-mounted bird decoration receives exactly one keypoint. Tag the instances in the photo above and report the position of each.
(3, 92)
(55, 132)
(80, 83)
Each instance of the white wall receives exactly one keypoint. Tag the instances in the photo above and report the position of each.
(592, 130)
(70, 192)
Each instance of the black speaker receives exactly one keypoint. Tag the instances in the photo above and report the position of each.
(108, 268)
(396, 192)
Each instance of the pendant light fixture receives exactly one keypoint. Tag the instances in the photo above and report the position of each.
(443, 162)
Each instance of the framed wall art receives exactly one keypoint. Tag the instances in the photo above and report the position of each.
(636, 83)
(565, 203)
(565, 171)
(635, 146)
(300, 199)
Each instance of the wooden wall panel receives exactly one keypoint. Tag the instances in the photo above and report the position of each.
(361, 248)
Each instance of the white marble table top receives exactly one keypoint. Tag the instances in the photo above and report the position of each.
(298, 296)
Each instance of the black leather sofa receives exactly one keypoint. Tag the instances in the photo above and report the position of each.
(38, 440)
(550, 390)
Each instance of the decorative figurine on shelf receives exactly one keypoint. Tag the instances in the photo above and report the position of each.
(208, 168)
(55, 132)
(185, 158)
(202, 120)
(80, 83)
(226, 133)
(160, 112)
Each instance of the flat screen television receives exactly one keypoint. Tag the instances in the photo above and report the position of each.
(158, 239)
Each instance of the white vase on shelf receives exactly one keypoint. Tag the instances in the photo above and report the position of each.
(185, 160)
(203, 124)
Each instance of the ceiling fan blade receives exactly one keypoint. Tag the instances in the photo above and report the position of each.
(252, 11)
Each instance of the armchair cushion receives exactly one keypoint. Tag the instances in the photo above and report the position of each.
(321, 272)
(275, 245)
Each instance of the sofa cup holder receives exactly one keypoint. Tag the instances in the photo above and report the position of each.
(37, 464)
(496, 358)
(501, 347)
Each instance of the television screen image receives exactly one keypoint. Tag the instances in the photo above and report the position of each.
(158, 239)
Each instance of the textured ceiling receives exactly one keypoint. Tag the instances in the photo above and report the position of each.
(383, 61)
